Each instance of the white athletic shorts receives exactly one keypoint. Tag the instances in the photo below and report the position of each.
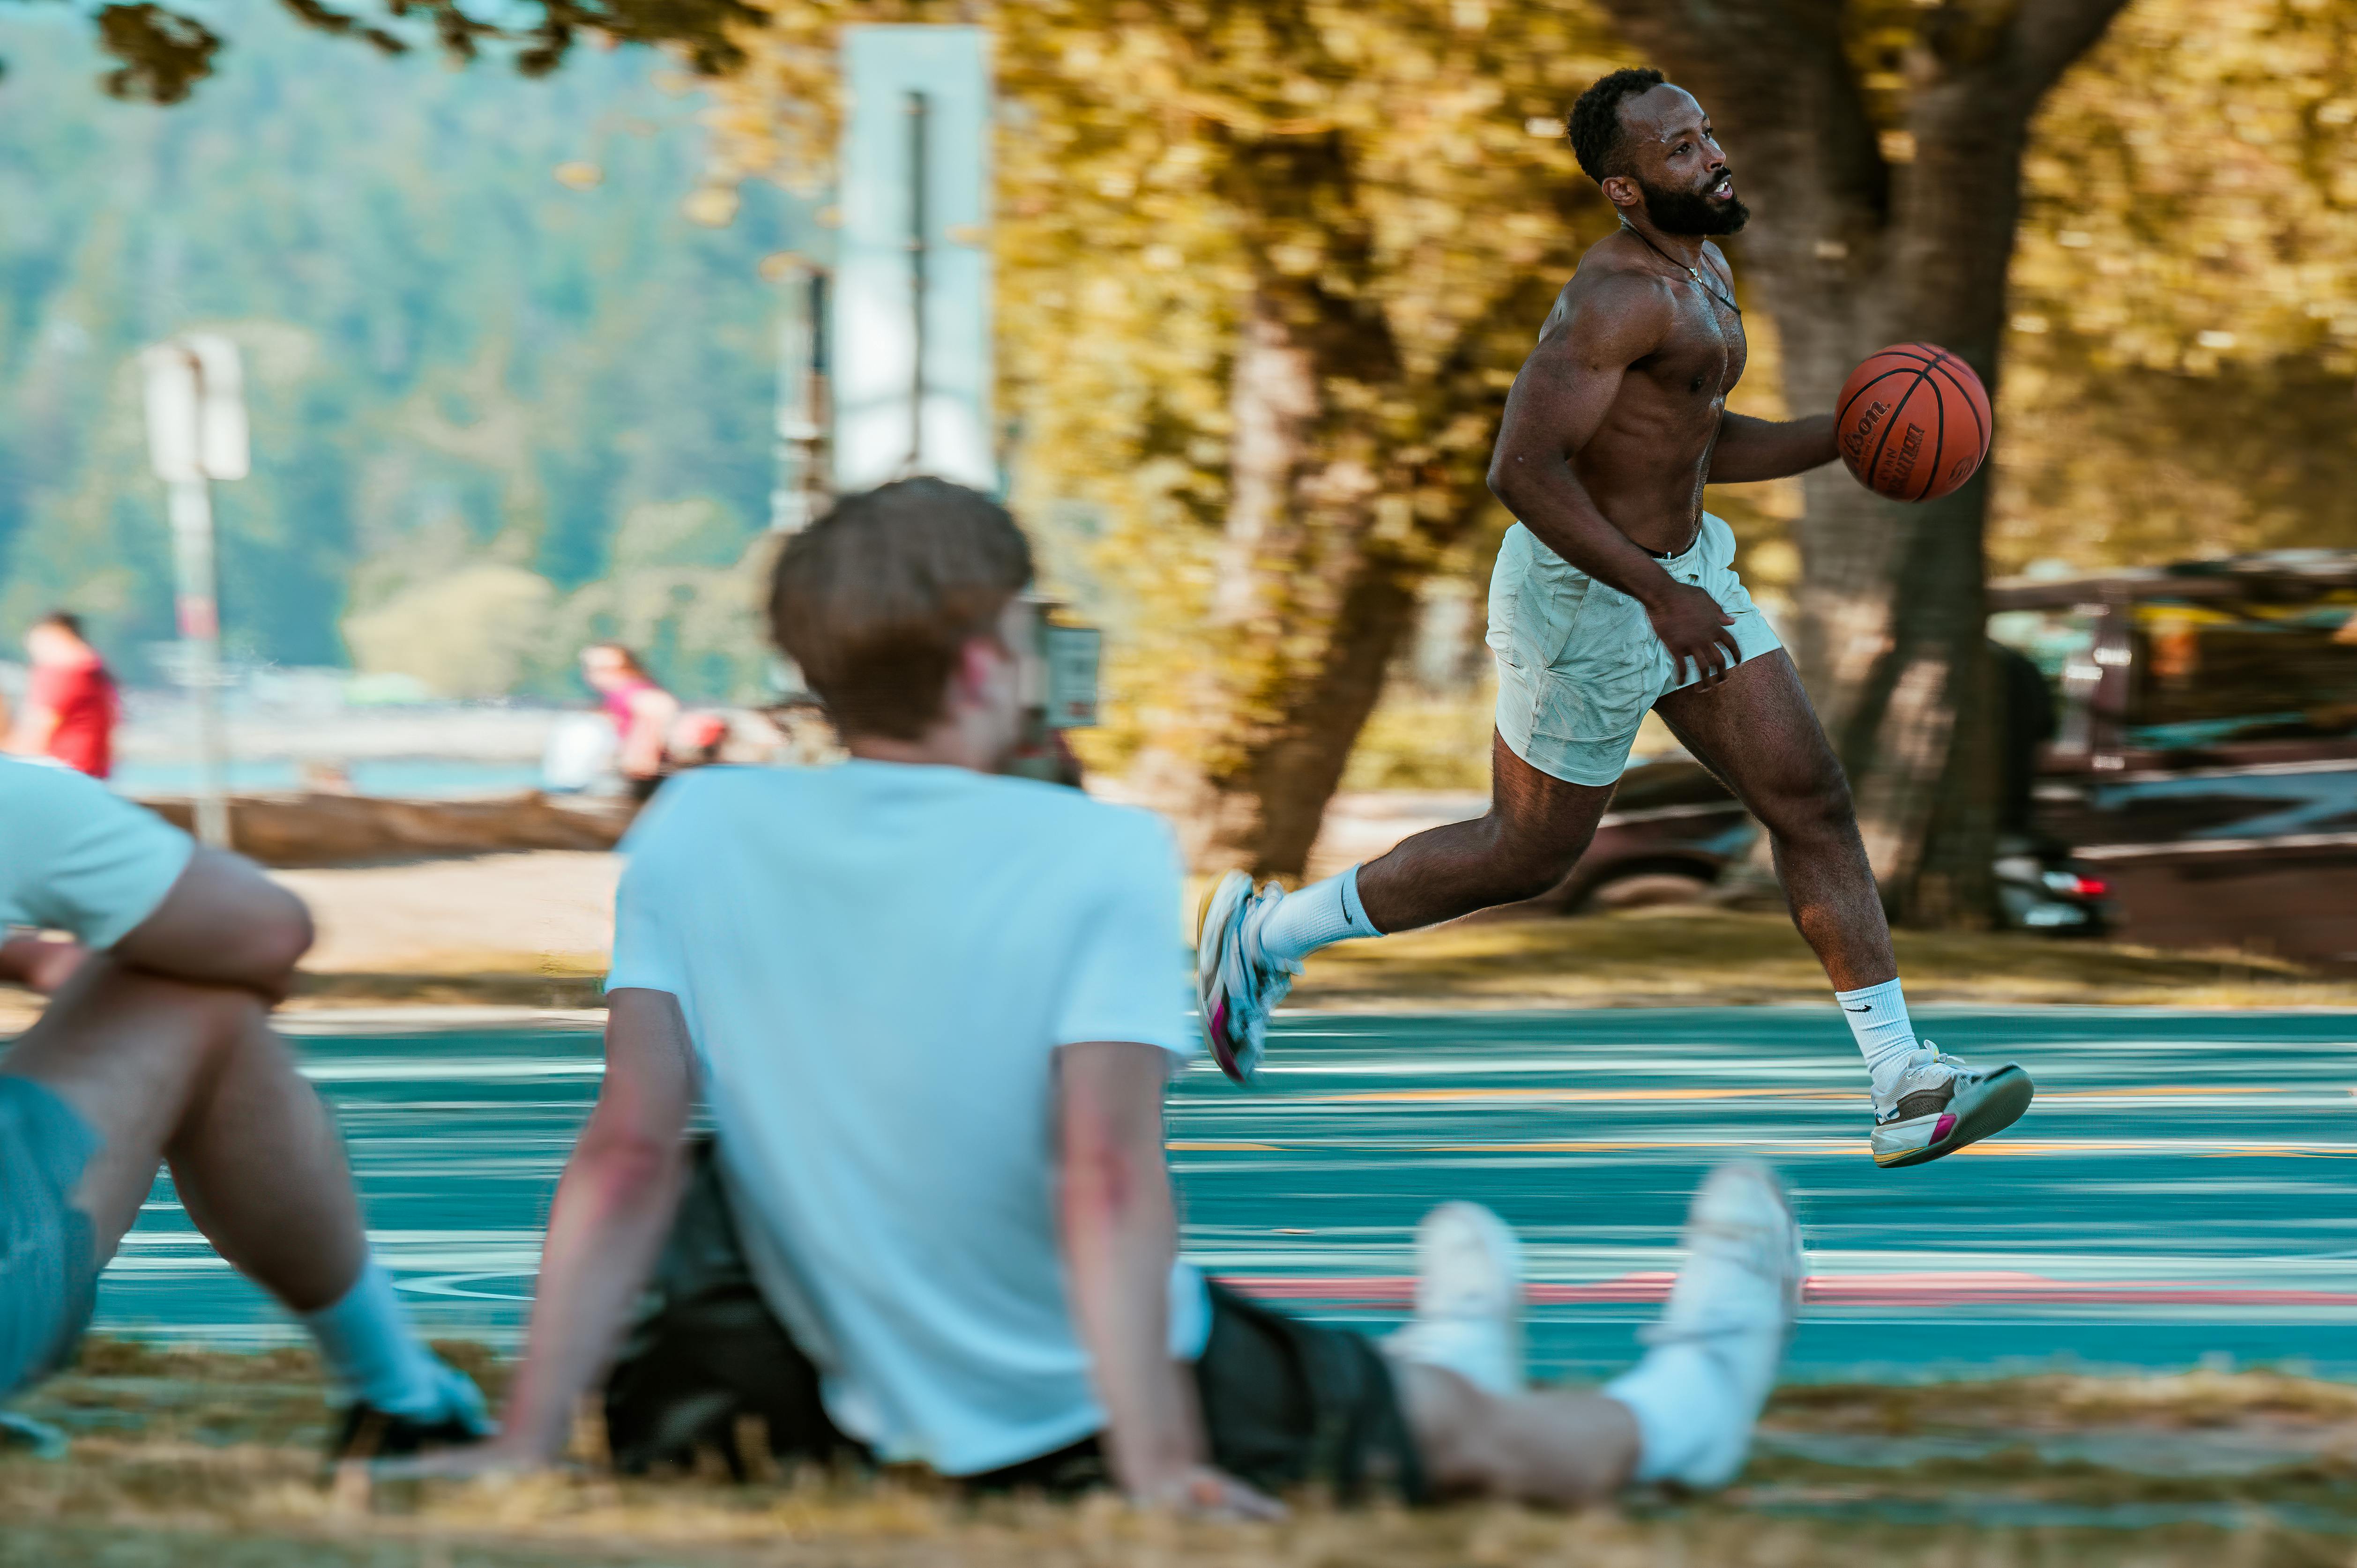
(1579, 665)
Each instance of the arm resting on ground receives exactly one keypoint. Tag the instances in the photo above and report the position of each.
(1751, 449)
(1121, 1237)
(613, 1210)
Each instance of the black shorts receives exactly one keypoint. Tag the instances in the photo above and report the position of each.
(1286, 1403)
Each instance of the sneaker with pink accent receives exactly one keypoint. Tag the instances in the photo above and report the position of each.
(1941, 1104)
(1237, 986)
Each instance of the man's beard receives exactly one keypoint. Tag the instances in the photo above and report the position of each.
(1693, 212)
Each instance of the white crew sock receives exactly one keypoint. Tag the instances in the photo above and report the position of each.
(1879, 1022)
(1314, 917)
(1684, 1401)
(369, 1348)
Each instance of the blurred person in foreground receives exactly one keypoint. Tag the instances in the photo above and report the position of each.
(642, 710)
(70, 705)
(156, 1048)
(1616, 593)
(933, 1011)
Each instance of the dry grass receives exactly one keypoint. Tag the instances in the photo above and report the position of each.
(182, 1459)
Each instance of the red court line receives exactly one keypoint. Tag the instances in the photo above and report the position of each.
(1994, 1288)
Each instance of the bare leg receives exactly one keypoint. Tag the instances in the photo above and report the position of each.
(164, 1069)
(1758, 732)
(1563, 1449)
(1537, 826)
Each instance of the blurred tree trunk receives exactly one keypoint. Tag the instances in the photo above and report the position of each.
(1312, 594)
(1864, 234)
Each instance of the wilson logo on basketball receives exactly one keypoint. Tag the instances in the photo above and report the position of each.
(1925, 408)
(1855, 443)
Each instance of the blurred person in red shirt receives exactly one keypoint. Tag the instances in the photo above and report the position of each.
(70, 703)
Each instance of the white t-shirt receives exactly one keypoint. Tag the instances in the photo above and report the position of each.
(76, 857)
(877, 962)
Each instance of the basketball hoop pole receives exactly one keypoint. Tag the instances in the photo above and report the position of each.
(197, 599)
(196, 433)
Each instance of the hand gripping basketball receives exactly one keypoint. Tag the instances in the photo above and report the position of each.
(1912, 422)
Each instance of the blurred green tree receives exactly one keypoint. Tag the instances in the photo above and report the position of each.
(480, 331)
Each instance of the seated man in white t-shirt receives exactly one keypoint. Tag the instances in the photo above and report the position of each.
(155, 1048)
(933, 1011)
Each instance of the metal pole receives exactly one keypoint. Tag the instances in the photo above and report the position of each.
(818, 457)
(199, 616)
(797, 431)
(919, 110)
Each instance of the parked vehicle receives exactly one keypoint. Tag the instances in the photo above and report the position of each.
(2198, 787)
(2205, 759)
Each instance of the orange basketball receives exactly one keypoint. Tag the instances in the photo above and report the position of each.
(1912, 422)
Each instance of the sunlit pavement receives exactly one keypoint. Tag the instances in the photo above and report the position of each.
(2183, 1191)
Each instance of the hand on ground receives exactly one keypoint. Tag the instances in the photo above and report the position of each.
(1203, 1492)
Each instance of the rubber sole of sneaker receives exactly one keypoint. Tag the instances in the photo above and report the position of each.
(1213, 1008)
(1995, 1104)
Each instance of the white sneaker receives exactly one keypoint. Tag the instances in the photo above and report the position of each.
(1468, 1299)
(1236, 986)
(1698, 1392)
(1939, 1104)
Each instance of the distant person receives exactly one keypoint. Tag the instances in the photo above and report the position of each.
(157, 1047)
(933, 1011)
(71, 704)
(642, 710)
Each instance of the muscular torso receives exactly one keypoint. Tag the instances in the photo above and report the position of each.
(1645, 466)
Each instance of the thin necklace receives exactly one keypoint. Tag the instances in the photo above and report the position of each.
(1694, 273)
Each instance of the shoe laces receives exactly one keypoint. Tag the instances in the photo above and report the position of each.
(1260, 968)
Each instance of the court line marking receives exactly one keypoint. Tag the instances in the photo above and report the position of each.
(1987, 1287)
(1610, 1096)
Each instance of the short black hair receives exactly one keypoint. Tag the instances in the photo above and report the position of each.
(64, 620)
(1595, 130)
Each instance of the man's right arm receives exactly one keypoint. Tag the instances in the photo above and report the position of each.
(1558, 404)
(614, 1206)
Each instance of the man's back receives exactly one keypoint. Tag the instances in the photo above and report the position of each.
(877, 962)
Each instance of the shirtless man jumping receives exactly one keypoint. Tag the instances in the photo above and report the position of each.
(1616, 593)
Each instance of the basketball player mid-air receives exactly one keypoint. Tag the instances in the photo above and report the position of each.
(1616, 593)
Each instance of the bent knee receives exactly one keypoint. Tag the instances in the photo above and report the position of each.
(1520, 871)
(209, 1013)
(1817, 803)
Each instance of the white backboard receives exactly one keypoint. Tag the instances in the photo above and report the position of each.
(882, 430)
(196, 409)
